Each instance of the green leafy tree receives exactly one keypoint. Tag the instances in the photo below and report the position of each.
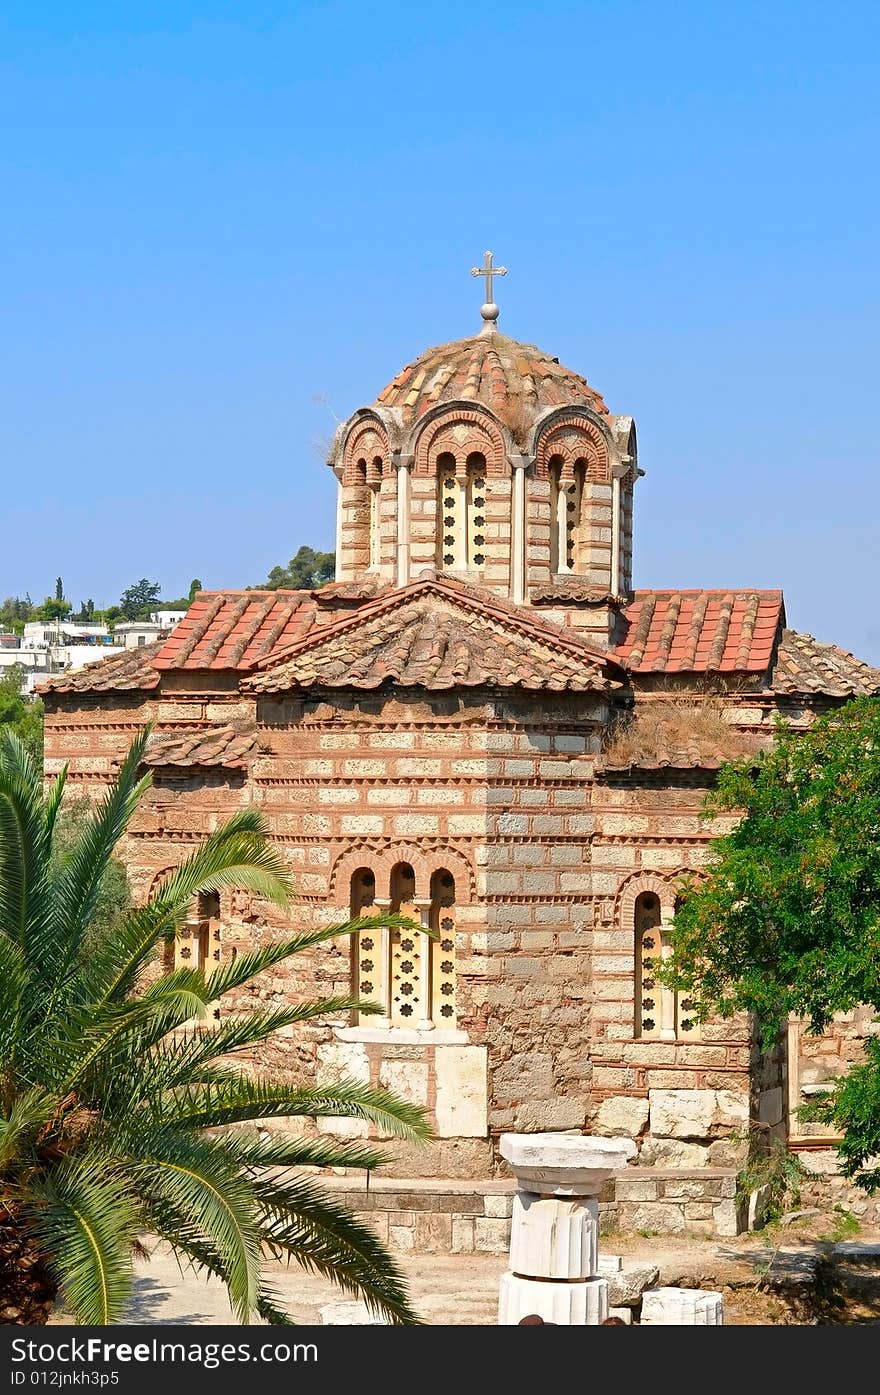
(19, 714)
(306, 571)
(788, 920)
(194, 587)
(53, 609)
(137, 601)
(15, 612)
(59, 589)
(113, 1112)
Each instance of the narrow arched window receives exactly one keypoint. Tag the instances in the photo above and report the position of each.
(443, 973)
(373, 475)
(661, 1013)
(407, 949)
(569, 543)
(476, 511)
(370, 950)
(450, 513)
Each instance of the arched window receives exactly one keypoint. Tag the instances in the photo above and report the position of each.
(443, 976)
(461, 510)
(198, 943)
(568, 540)
(476, 511)
(661, 1013)
(412, 977)
(373, 476)
(407, 952)
(449, 512)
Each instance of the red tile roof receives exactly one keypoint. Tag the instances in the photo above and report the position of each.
(132, 671)
(230, 747)
(488, 368)
(804, 666)
(235, 629)
(437, 634)
(700, 631)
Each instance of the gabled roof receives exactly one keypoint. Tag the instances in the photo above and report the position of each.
(132, 671)
(437, 634)
(700, 631)
(804, 666)
(235, 629)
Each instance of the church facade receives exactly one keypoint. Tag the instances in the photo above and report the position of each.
(482, 725)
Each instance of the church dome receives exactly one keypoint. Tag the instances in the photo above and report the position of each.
(490, 368)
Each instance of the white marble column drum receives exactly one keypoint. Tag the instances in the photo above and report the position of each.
(682, 1307)
(554, 1249)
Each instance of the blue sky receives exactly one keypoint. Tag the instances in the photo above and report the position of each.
(225, 225)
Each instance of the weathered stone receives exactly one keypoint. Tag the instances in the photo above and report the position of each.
(682, 1307)
(554, 1237)
(626, 1287)
(462, 1105)
(564, 1164)
(672, 1152)
(622, 1115)
(682, 1113)
(568, 1305)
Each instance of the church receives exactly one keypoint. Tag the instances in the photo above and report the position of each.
(483, 725)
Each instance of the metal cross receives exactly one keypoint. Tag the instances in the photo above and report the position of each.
(489, 271)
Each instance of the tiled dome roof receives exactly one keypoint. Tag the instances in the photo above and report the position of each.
(488, 368)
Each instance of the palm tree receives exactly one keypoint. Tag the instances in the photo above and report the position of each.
(114, 1107)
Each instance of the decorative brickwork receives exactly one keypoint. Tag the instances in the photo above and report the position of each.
(438, 745)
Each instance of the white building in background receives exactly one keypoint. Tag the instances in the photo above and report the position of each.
(54, 646)
(167, 619)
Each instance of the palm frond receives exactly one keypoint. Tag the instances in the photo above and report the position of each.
(243, 1099)
(75, 892)
(23, 847)
(302, 1222)
(30, 1111)
(199, 1180)
(85, 1220)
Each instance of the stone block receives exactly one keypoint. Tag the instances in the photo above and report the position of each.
(682, 1307)
(401, 1237)
(342, 1059)
(564, 1164)
(409, 1079)
(500, 1206)
(462, 1235)
(491, 1235)
(666, 1218)
(636, 1188)
(567, 1305)
(626, 1287)
(683, 1114)
(673, 1152)
(462, 1102)
(725, 1218)
(622, 1115)
(625, 1314)
(432, 1233)
(608, 1264)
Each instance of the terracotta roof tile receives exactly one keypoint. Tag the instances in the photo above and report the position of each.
(700, 631)
(570, 591)
(132, 671)
(804, 666)
(491, 369)
(229, 746)
(235, 629)
(438, 634)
